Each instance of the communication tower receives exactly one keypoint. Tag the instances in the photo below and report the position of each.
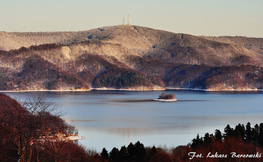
(128, 20)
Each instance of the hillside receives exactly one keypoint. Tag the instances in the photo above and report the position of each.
(32, 131)
(128, 57)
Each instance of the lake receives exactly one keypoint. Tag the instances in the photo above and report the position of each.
(116, 118)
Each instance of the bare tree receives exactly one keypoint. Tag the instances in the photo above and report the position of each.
(39, 104)
(28, 125)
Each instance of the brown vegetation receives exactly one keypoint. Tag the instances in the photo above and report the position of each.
(29, 133)
(27, 127)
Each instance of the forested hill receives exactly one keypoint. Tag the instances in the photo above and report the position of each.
(127, 56)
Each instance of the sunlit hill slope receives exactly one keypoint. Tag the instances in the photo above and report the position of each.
(128, 57)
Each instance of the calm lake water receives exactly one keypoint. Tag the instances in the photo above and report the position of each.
(116, 118)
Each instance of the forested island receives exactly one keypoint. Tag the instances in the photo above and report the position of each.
(32, 131)
(167, 96)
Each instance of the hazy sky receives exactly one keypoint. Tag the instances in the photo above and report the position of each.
(197, 17)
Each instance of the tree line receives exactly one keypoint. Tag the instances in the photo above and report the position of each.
(246, 134)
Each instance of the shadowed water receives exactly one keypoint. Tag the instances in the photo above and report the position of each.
(116, 118)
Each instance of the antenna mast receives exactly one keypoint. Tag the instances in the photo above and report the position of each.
(128, 20)
(123, 21)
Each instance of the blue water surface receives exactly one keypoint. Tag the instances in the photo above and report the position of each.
(116, 118)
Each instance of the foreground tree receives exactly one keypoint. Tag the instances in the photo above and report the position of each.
(23, 127)
(15, 127)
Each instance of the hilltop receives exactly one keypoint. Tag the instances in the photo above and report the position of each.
(128, 57)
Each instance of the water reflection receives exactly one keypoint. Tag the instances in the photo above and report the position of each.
(117, 137)
(132, 100)
(151, 100)
(176, 131)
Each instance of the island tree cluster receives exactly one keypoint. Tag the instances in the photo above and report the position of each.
(167, 96)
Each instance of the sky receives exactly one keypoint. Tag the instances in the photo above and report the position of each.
(196, 17)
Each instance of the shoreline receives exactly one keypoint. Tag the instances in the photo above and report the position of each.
(165, 100)
(215, 90)
(140, 89)
(44, 90)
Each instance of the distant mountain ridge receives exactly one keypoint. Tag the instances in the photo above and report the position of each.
(128, 57)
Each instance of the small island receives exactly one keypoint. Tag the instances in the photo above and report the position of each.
(166, 97)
